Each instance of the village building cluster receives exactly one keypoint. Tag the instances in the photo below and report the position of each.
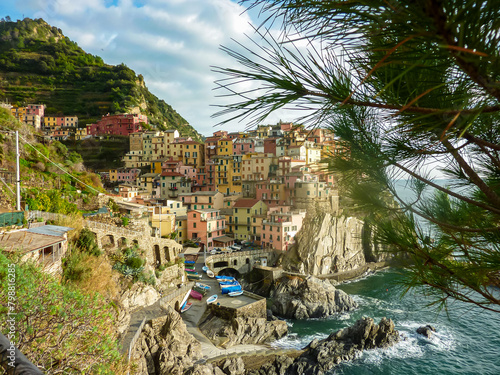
(251, 187)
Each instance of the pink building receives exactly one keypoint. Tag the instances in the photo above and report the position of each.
(205, 226)
(188, 171)
(35, 109)
(122, 124)
(281, 226)
(242, 146)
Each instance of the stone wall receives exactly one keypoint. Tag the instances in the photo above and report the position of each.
(256, 309)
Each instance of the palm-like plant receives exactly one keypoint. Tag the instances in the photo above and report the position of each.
(409, 88)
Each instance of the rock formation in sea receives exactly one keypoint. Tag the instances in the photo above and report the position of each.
(426, 331)
(302, 298)
(317, 358)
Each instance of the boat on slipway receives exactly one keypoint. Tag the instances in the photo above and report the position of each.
(212, 299)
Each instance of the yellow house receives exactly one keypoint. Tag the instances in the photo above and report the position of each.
(193, 154)
(224, 147)
(163, 221)
(80, 133)
(246, 221)
(182, 231)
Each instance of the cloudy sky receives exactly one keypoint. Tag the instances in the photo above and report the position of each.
(172, 43)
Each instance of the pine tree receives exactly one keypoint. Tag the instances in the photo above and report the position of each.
(412, 90)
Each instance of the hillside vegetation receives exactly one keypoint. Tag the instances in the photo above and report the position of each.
(45, 171)
(38, 64)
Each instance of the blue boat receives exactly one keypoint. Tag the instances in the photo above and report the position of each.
(211, 299)
(231, 289)
(204, 268)
(228, 283)
(189, 262)
(225, 277)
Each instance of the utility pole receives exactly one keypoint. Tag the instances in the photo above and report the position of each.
(18, 178)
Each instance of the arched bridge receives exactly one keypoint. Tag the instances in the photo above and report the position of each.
(241, 261)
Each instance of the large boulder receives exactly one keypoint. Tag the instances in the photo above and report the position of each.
(299, 298)
(165, 346)
(242, 330)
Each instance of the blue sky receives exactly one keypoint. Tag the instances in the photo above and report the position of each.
(172, 43)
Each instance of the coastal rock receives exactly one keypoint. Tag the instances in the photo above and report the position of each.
(242, 330)
(426, 331)
(328, 244)
(299, 298)
(165, 346)
(139, 295)
(344, 345)
(320, 356)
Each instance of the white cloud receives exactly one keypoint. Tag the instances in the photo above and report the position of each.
(172, 43)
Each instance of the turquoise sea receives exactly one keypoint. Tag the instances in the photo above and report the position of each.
(467, 340)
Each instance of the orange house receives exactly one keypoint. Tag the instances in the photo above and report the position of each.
(205, 226)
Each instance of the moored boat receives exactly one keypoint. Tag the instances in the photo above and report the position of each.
(211, 299)
(235, 294)
(196, 295)
(204, 286)
(194, 276)
(186, 306)
(200, 290)
(210, 274)
(204, 268)
(189, 270)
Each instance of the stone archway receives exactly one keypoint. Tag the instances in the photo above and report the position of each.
(177, 306)
(166, 251)
(156, 249)
(108, 241)
(122, 242)
(135, 243)
(230, 272)
(221, 264)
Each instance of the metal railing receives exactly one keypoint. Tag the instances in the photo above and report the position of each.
(135, 338)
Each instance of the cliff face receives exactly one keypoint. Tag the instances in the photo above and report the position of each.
(328, 243)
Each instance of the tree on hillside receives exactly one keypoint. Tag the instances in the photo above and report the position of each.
(412, 90)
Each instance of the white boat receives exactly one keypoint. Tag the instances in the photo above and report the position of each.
(203, 286)
(211, 299)
(235, 294)
(210, 274)
(204, 268)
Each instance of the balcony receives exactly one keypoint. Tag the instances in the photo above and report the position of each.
(173, 188)
(213, 218)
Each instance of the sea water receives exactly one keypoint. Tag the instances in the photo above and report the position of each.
(466, 341)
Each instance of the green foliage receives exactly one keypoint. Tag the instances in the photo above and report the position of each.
(129, 263)
(49, 200)
(58, 328)
(409, 88)
(125, 221)
(87, 242)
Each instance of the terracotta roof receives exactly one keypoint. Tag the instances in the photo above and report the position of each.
(245, 202)
(171, 174)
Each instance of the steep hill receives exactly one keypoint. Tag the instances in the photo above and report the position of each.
(38, 64)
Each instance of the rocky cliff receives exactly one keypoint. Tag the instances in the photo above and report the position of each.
(328, 243)
(165, 347)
